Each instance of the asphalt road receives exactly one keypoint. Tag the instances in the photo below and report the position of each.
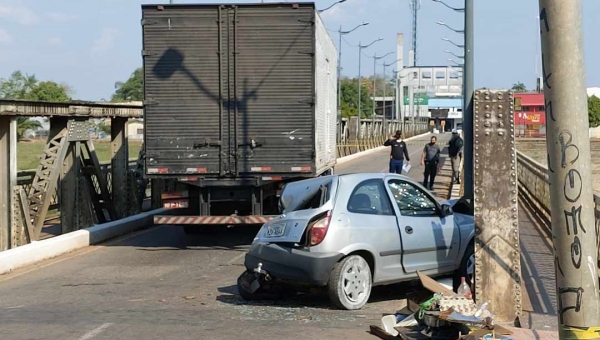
(162, 284)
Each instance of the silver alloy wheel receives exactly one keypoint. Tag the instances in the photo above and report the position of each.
(471, 268)
(355, 280)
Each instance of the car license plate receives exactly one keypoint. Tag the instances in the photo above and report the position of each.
(275, 230)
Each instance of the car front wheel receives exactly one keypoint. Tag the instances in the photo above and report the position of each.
(350, 283)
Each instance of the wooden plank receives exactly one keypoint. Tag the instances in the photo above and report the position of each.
(69, 109)
(120, 166)
(8, 177)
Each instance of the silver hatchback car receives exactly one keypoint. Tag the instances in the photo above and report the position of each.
(349, 233)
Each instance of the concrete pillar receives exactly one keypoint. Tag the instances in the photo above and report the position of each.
(8, 177)
(119, 148)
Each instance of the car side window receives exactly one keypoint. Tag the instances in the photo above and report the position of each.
(369, 197)
(411, 200)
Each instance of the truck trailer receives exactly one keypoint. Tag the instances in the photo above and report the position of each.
(239, 99)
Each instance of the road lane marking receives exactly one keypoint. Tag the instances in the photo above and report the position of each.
(94, 332)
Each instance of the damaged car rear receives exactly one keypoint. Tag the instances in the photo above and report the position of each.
(348, 233)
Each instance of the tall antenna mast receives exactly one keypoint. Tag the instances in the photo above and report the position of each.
(415, 6)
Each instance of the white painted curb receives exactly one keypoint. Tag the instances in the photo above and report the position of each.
(348, 158)
(42, 250)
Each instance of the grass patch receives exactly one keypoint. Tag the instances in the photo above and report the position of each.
(28, 153)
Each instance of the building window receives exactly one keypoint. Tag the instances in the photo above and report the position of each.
(140, 131)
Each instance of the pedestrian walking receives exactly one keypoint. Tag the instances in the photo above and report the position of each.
(430, 159)
(398, 153)
(455, 146)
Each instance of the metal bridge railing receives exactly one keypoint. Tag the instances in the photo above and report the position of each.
(25, 179)
(534, 188)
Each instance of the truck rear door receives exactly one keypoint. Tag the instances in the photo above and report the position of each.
(187, 87)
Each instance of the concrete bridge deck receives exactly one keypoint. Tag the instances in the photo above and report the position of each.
(162, 284)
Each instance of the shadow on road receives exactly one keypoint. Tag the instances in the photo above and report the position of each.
(318, 298)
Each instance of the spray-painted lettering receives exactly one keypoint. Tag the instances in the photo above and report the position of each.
(544, 18)
(577, 306)
(547, 75)
(566, 143)
(573, 219)
(573, 186)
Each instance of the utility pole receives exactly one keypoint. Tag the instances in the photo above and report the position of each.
(468, 83)
(571, 197)
(339, 70)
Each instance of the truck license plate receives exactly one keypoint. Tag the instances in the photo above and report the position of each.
(275, 230)
(176, 204)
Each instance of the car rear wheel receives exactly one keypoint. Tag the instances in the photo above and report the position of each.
(350, 283)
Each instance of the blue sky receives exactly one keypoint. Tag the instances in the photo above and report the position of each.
(91, 44)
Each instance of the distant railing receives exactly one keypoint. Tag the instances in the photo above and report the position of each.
(534, 188)
(371, 133)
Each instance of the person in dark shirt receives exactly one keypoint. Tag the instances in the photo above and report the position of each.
(455, 152)
(430, 159)
(398, 153)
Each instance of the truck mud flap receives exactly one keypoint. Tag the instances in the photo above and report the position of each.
(212, 220)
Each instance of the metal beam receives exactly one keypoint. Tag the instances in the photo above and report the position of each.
(574, 229)
(8, 177)
(497, 252)
(120, 166)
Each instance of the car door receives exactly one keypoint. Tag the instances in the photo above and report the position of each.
(375, 227)
(429, 242)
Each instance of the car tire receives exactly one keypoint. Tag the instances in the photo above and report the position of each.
(350, 283)
(467, 269)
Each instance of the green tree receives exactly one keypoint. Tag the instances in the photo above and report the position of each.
(519, 87)
(49, 91)
(24, 124)
(349, 100)
(132, 89)
(25, 86)
(594, 111)
(17, 86)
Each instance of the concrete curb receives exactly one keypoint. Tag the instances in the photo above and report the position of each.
(42, 250)
(348, 158)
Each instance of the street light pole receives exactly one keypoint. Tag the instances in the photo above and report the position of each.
(339, 70)
(360, 48)
(468, 84)
(375, 58)
(332, 5)
(452, 42)
(569, 169)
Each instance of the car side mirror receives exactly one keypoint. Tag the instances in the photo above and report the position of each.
(446, 210)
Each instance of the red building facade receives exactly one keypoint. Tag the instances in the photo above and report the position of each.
(530, 115)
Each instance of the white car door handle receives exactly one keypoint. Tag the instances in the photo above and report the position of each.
(408, 229)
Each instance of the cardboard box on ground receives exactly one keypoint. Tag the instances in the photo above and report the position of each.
(438, 313)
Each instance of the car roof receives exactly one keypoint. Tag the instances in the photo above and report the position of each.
(375, 175)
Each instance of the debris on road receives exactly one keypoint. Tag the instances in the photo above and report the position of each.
(438, 313)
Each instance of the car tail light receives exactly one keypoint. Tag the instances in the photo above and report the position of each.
(318, 230)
